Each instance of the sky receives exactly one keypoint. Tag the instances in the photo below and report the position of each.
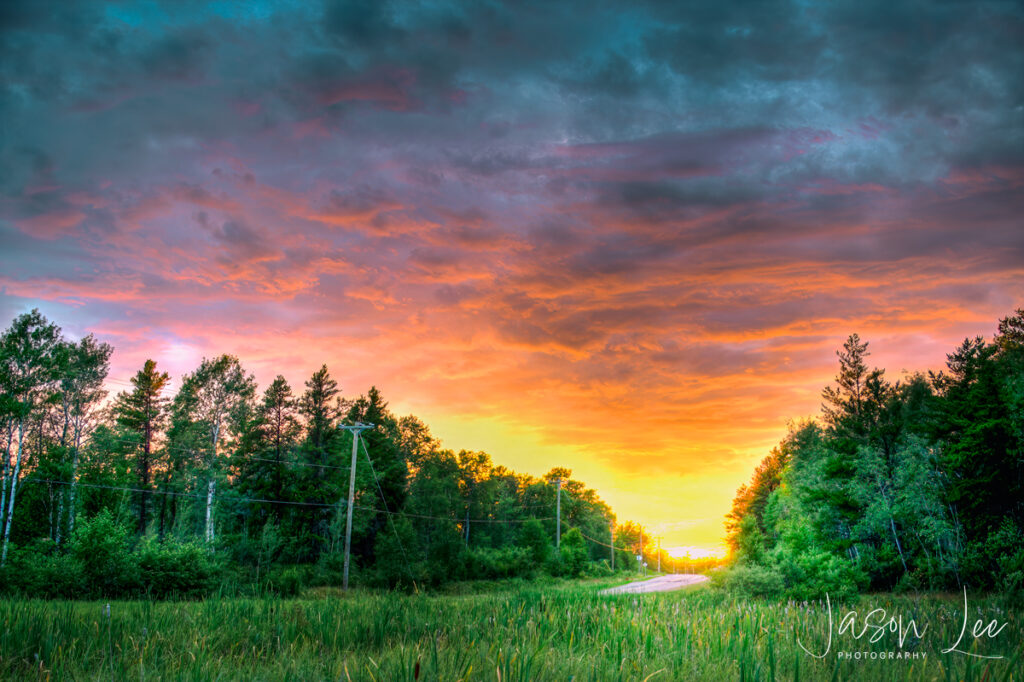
(621, 237)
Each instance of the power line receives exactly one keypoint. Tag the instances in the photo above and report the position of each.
(231, 459)
(408, 564)
(285, 502)
(243, 458)
(172, 493)
(235, 460)
(587, 537)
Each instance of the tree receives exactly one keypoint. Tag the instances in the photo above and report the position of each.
(384, 456)
(475, 470)
(321, 482)
(83, 367)
(320, 407)
(268, 444)
(143, 411)
(416, 441)
(435, 504)
(534, 538)
(852, 407)
(28, 350)
(1010, 335)
(574, 552)
(213, 403)
(748, 507)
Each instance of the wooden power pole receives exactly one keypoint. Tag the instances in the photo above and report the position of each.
(355, 429)
(558, 514)
(611, 528)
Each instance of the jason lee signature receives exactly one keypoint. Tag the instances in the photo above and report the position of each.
(877, 623)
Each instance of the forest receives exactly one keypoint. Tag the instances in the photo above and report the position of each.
(906, 485)
(221, 487)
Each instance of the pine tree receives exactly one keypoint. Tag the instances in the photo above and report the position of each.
(143, 411)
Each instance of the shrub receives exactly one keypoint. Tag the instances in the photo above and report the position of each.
(101, 546)
(1005, 546)
(286, 582)
(490, 564)
(535, 540)
(40, 571)
(813, 573)
(175, 569)
(574, 552)
(599, 569)
(751, 580)
(330, 569)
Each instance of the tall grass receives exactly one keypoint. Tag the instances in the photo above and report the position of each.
(529, 633)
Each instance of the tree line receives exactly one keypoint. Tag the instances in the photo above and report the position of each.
(914, 484)
(148, 491)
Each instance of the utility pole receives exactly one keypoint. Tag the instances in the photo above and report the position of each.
(355, 429)
(659, 554)
(643, 564)
(558, 521)
(611, 528)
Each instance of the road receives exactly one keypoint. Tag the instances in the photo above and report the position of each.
(664, 583)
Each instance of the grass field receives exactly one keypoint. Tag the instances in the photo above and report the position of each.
(557, 632)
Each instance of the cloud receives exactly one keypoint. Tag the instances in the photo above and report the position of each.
(551, 219)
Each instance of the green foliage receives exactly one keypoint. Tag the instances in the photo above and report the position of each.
(41, 571)
(392, 555)
(506, 562)
(749, 541)
(141, 412)
(598, 569)
(574, 552)
(100, 563)
(1005, 547)
(101, 546)
(914, 485)
(751, 580)
(535, 539)
(814, 573)
(175, 569)
(287, 581)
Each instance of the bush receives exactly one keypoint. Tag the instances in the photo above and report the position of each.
(1006, 548)
(99, 563)
(599, 569)
(175, 569)
(40, 571)
(490, 564)
(330, 569)
(535, 540)
(101, 546)
(286, 582)
(751, 580)
(574, 552)
(813, 573)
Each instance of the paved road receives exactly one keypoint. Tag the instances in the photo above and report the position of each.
(664, 583)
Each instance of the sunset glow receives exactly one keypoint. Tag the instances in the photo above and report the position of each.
(581, 239)
(696, 552)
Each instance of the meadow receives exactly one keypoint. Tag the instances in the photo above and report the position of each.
(524, 632)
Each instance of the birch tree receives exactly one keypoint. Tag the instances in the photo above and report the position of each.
(28, 351)
(83, 369)
(212, 402)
